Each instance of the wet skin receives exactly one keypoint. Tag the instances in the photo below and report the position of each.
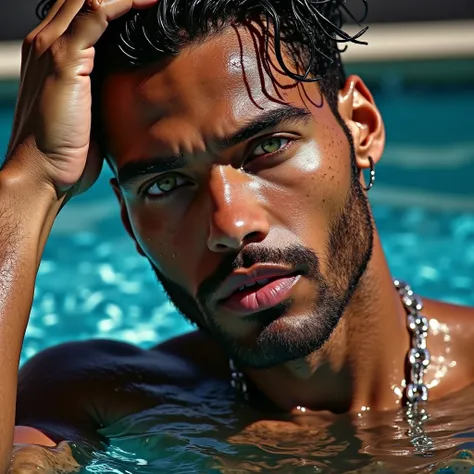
(252, 172)
(224, 200)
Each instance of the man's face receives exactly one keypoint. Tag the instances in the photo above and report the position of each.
(238, 185)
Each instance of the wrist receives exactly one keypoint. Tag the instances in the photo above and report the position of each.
(22, 178)
(28, 201)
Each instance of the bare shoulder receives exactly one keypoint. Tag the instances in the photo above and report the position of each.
(452, 334)
(459, 320)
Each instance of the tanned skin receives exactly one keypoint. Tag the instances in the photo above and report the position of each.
(181, 108)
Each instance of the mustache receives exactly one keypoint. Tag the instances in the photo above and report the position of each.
(294, 256)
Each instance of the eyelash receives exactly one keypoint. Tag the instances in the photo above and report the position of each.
(282, 149)
(145, 190)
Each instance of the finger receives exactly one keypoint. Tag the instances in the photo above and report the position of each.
(144, 3)
(30, 38)
(57, 25)
(50, 15)
(98, 12)
(89, 25)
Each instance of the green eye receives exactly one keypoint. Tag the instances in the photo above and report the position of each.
(270, 145)
(164, 185)
(167, 183)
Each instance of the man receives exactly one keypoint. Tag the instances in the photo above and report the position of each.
(238, 147)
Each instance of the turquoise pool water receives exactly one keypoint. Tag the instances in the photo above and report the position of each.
(92, 283)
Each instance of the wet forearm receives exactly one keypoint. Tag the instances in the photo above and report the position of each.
(27, 211)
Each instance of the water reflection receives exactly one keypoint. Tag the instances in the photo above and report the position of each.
(207, 430)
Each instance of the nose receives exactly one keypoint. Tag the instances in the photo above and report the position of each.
(237, 218)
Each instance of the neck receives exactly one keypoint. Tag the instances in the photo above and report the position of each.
(361, 367)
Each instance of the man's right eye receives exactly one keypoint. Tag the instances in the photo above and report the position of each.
(164, 185)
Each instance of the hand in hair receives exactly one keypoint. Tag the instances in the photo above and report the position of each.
(50, 157)
(52, 125)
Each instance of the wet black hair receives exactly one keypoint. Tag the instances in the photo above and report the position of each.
(310, 32)
(310, 29)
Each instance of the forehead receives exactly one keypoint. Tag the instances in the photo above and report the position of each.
(210, 88)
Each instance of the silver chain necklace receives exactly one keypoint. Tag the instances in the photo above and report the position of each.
(418, 360)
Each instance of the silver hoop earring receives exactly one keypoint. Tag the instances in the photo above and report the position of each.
(372, 175)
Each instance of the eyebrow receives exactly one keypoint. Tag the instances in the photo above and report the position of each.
(266, 120)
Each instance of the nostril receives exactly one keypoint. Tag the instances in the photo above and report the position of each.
(254, 237)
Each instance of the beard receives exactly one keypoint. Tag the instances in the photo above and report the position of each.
(282, 338)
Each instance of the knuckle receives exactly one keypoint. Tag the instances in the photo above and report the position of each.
(91, 7)
(29, 39)
(58, 51)
(95, 4)
(40, 43)
(29, 42)
(105, 7)
(88, 13)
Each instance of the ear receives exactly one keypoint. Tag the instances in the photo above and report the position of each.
(359, 112)
(124, 214)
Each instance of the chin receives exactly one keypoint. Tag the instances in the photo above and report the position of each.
(288, 338)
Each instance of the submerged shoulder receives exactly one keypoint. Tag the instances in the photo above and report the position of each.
(76, 357)
(201, 350)
(73, 389)
(59, 388)
(100, 359)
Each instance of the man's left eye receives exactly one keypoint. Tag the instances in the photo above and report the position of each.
(270, 145)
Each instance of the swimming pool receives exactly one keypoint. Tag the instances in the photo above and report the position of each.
(92, 283)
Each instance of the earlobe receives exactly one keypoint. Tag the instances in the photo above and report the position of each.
(124, 214)
(359, 112)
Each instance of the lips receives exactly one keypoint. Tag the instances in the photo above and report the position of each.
(257, 289)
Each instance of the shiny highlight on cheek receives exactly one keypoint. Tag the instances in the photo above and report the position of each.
(308, 158)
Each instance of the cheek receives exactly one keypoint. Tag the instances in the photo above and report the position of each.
(313, 191)
(156, 235)
(327, 186)
(165, 240)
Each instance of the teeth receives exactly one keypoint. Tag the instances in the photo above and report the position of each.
(259, 282)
